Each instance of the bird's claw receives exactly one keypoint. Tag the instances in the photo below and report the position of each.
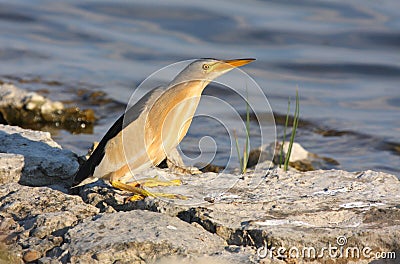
(139, 193)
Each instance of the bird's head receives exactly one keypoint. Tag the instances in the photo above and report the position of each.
(208, 69)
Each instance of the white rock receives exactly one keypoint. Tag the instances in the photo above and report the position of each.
(47, 108)
(58, 105)
(300, 158)
(31, 105)
(34, 97)
(45, 162)
(298, 152)
(14, 97)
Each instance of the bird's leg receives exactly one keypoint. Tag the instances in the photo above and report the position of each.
(137, 187)
(140, 193)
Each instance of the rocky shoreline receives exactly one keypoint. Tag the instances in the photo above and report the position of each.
(228, 218)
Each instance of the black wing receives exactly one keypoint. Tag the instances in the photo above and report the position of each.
(87, 169)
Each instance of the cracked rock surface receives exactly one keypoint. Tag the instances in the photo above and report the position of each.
(140, 237)
(46, 225)
(33, 158)
(35, 219)
(286, 209)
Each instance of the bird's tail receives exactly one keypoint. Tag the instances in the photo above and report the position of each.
(82, 174)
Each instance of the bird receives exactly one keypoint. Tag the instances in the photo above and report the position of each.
(150, 129)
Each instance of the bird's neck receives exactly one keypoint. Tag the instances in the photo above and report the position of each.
(170, 116)
(195, 85)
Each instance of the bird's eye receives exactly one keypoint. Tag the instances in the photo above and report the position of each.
(206, 67)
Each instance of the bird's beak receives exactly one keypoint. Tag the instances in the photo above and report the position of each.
(238, 62)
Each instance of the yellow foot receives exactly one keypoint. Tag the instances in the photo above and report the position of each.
(140, 193)
(154, 182)
(130, 188)
(134, 198)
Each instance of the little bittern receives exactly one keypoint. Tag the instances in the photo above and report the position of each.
(153, 127)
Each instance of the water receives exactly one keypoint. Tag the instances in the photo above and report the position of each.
(343, 55)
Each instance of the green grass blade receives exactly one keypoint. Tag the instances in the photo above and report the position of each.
(238, 150)
(284, 134)
(294, 129)
(245, 159)
(247, 147)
